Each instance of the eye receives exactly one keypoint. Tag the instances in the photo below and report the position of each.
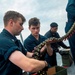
(37, 27)
(21, 24)
(33, 28)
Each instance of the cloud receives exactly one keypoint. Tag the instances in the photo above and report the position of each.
(47, 11)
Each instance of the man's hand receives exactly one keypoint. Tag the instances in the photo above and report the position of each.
(50, 40)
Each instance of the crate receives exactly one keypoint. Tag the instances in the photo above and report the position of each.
(67, 58)
(57, 70)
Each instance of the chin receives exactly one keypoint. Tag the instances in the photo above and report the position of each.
(36, 34)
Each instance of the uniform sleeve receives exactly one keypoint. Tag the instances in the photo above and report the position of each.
(62, 45)
(7, 48)
(10, 51)
(61, 42)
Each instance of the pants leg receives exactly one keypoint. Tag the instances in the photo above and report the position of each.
(71, 20)
(53, 60)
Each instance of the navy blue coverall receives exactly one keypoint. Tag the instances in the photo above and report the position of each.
(71, 19)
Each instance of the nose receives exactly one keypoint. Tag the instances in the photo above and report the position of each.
(36, 29)
(22, 28)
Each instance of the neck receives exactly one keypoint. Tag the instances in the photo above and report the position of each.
(36, 36)
(9, 30)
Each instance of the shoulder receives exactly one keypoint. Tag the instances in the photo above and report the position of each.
(43, 37)
(7, 45)
(6, 40)
(57, 33)
(47, 34)
(28, 39)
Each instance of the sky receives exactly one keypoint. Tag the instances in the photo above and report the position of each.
(47, 11)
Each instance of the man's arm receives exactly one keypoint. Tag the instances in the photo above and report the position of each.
(25, 63)
(63, 45)
(29, 54)
(48, 47)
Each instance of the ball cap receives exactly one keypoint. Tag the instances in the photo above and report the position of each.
(53, 24)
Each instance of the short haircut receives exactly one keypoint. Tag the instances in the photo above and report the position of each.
(54, 24)
(34, 21)
(13, 15)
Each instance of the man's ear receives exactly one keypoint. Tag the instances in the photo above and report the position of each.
(11, 22)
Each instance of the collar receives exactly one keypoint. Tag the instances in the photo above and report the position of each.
(31, 36)
(6, 33)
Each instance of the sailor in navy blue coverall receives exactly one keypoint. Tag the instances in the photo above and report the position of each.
(53, 33)
(35, 39)
(71, 18)
(14, 58)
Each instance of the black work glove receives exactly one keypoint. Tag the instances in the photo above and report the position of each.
(68, 47)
